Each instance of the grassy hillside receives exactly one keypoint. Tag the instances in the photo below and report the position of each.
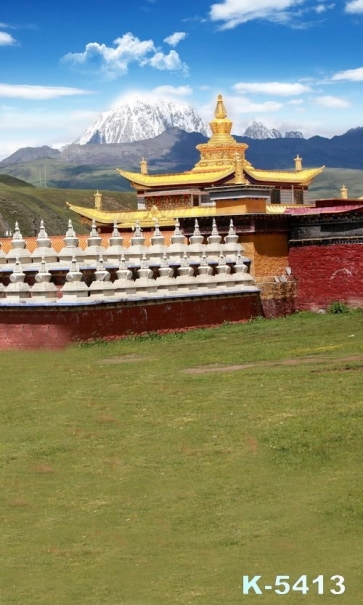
(27, 204)
(328, 183)
(160, 471)
(69, 176)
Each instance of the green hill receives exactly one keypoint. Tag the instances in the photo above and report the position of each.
(22, 202)
(54, 173)
(329, 182)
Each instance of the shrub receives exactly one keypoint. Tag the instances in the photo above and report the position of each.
(338, 307)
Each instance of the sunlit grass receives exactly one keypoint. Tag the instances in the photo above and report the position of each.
(128, 479)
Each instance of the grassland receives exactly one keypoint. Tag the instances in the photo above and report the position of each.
(330, 181)
(26, 204)
(58, 174)
(158, 471)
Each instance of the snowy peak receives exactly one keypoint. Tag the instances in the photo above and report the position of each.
(294, 134)
(257, 130)
(140, 119)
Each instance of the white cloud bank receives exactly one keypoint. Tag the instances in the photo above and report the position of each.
(332, 102)
(243, 104)
(172, 91)
(114, 62)
(354, 7)
(235, 12)
(352, 75)
(280, 89)
(38, 93)
(6, 39)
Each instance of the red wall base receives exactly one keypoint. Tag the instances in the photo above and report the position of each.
(326, 274)
(57, 327)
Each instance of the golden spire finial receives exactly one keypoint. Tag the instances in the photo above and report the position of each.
(143, 166)
(298, 163)
(344, 193)
(98, 200)
(220, 112)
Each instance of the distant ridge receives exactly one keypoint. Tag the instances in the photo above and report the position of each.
(30, 154)
(257, 130)
(94, 166)
(12, 181)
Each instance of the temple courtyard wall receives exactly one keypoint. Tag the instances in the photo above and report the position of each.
(52, 327)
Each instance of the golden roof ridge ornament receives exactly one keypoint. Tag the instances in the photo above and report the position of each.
(220, 112)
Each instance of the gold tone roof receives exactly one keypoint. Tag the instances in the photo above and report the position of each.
(183, 178)
(302, 177)
(146, 218)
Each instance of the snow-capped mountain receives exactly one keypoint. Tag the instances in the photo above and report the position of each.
(257, 130)
(140, 119)
(294, 134)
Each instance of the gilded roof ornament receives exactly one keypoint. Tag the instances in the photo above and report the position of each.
(220, 112)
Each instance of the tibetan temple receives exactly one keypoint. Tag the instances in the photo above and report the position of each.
(222, 182)
(222, 242)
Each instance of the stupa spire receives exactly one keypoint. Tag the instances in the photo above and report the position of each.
(220, 112)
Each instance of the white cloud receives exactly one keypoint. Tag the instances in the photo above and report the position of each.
(6, 39)
(175, 38)
(332, 102)
(36, 93)
(272, 88)
(169, 62)
(295, 102)
(173, 91)
(354, 6)
(242, 104)
(322, 8)
(235, 12)
(114, 62)
(353, 75)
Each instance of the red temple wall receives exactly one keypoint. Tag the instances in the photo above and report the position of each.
(326, 274)
(57, 327)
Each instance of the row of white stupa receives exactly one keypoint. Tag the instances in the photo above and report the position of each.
(194, 248)
(181, 275)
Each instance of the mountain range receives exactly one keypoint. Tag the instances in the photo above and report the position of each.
(175, 149)
(166, 134)
(139, 119)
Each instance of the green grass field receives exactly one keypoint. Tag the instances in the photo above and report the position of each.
(160, 470)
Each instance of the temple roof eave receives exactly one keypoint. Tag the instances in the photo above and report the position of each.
(146, 218)
(300, 177)
(149, 181)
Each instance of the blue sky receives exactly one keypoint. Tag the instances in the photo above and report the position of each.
(291, 64)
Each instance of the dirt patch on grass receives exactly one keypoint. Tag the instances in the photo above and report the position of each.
(284, 362)
(44, 468)
(123, 359)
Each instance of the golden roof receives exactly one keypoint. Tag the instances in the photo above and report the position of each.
(147, 218)
(182, 178)
(301, 177)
